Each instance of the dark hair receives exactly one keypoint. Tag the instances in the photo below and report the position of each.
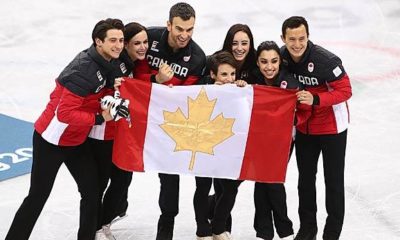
(182, 10)
(228, 42)
(294, 22)
(268, 45)
(221, 57)
(131, 29)
(101, 28)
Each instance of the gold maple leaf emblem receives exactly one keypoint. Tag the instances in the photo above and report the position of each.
(197, 133)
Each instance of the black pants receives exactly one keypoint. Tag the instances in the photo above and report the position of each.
(101, 151)
(270, 208)
(308, 149)
(168, 200)
(225, 198)
(47, 159)
(201, 206)
(115, 201)
(212, 200)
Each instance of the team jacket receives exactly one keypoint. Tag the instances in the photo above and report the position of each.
(74, 103)
(321, 73)
(285, 80)
(187, 63)
(106, 130)
(247, 72)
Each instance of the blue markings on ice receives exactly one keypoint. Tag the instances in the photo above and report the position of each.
(15, 147)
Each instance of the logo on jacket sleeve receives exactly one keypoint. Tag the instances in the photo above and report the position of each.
(310, 67)
(98, 73)
(123, 68)
(154, 46)
(337, 71)
(100, 87)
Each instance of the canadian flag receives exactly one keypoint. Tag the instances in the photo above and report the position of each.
(206, 130)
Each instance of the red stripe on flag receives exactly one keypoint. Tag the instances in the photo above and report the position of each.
(269, 137)
(129, 141)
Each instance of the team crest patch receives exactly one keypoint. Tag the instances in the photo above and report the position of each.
(123, 67)
(310, 67)
(283, 84)
(186, 58)
(99, 76)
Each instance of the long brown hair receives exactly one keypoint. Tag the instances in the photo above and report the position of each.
(250, 60)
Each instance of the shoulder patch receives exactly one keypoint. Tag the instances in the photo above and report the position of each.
(337, 71)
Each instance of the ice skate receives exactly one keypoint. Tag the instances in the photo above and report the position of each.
(223, 236)
(204, 238)
(290, 237)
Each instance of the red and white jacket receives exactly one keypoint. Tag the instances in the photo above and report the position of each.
(322, 74)
(74, 104)
(105, 131)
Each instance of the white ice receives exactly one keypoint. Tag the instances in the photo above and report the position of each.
(38, 38)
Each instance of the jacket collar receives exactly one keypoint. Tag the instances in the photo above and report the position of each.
(103, 63)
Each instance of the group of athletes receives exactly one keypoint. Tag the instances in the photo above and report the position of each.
(74, 130)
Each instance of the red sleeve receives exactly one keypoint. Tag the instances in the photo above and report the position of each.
(303, 113)
(69, 110)
(340, 92)
(142, 70)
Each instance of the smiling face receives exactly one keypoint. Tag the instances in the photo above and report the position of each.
(225, 74)
(112, 45)
(180, 32)
(268, 62)
(240, 46)
(296, 40)
(137, 46)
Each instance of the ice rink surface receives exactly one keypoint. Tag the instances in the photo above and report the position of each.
(38, 38)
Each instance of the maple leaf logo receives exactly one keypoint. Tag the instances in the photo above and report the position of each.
(197, 133)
